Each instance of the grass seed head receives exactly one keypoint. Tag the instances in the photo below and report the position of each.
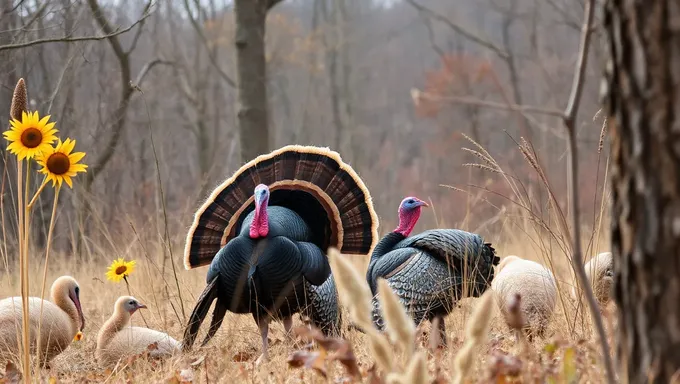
(381, 350)
(353, 291)
(399, 324)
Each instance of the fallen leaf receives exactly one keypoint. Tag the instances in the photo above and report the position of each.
(503, 364)
(12, 374)
(242, 357)
(314, 360)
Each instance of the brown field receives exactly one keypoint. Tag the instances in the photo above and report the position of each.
(231, 355)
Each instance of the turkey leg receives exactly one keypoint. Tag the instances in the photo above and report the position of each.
(263, 324)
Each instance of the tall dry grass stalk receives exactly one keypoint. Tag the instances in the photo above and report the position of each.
(400, 326)
(353, 291)
(18, 107)
(476, 333)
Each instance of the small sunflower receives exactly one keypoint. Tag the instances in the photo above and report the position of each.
(59, 164)
(78, 336)
(120, 269)
(30, 136)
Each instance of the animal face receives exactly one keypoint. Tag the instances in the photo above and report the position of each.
(131, 305)
(261, 194)
(411, 203)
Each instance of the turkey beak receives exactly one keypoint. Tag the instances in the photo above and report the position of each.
(424, 204)
(140, 306)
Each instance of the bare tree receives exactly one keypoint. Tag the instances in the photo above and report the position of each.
(251, 16)
(641, 75)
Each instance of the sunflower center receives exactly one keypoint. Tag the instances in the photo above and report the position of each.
(58, 164)
(31, 137)
(120, 270)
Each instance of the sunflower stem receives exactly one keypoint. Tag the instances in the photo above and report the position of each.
(127, 284)
(24, 274)
(47, 259)
(21, 341)
(37, 193)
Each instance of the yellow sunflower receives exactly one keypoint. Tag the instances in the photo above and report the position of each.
(119, 269)
(30, 136)
(59, 164)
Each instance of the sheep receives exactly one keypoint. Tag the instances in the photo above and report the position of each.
(117, 340)
(600, 274)
(533, 286)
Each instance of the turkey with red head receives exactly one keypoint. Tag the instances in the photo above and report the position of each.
(429, 271)
(265, 232)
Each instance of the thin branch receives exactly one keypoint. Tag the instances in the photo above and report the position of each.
(417, 94)
(109, 34)
(470, 35)
(570, 114)
(133, 45)
(204, 40)
(143, 72)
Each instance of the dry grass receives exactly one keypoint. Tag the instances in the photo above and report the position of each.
(231, 355)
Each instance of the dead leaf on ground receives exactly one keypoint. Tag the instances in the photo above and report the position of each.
(242, 357)
(503, 364)
(314, 360)
(340, 348)
(12, 374)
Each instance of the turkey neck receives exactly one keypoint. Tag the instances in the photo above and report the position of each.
(386, 244)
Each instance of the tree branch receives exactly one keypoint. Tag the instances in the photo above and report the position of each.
(145, 70)
(204, 40)
(570, 114)
(109, 34)
(418, 95)
(469, 35)
(135, 39)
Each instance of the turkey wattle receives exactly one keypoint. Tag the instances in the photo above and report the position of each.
(265, 232)
(432, 270)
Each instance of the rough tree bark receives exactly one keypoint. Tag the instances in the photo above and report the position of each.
(251, 16)
(642, 74)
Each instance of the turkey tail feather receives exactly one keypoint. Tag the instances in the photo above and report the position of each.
(312, 181)
(217, 317)
(198, 315)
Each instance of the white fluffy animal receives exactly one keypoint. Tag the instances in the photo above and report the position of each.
(62, 318)
(117, 340)
(537, 289)
(600, 274)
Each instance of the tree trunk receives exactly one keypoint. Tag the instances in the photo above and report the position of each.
(642, 74)
(251, 16)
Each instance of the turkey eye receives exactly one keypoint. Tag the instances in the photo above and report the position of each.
(77, 290)
(410, 201)
(132, 303)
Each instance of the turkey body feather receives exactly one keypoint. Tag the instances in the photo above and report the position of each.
(427, 270)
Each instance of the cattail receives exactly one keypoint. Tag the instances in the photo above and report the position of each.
(416, 371)
(477, 328)
(19, 101)
(399, 324)
(380, 349)
(353, 291)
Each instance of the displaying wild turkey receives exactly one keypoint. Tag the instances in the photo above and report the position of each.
(265, 232)
(429, 271)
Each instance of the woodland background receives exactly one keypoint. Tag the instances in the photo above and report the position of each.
(340, 73)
